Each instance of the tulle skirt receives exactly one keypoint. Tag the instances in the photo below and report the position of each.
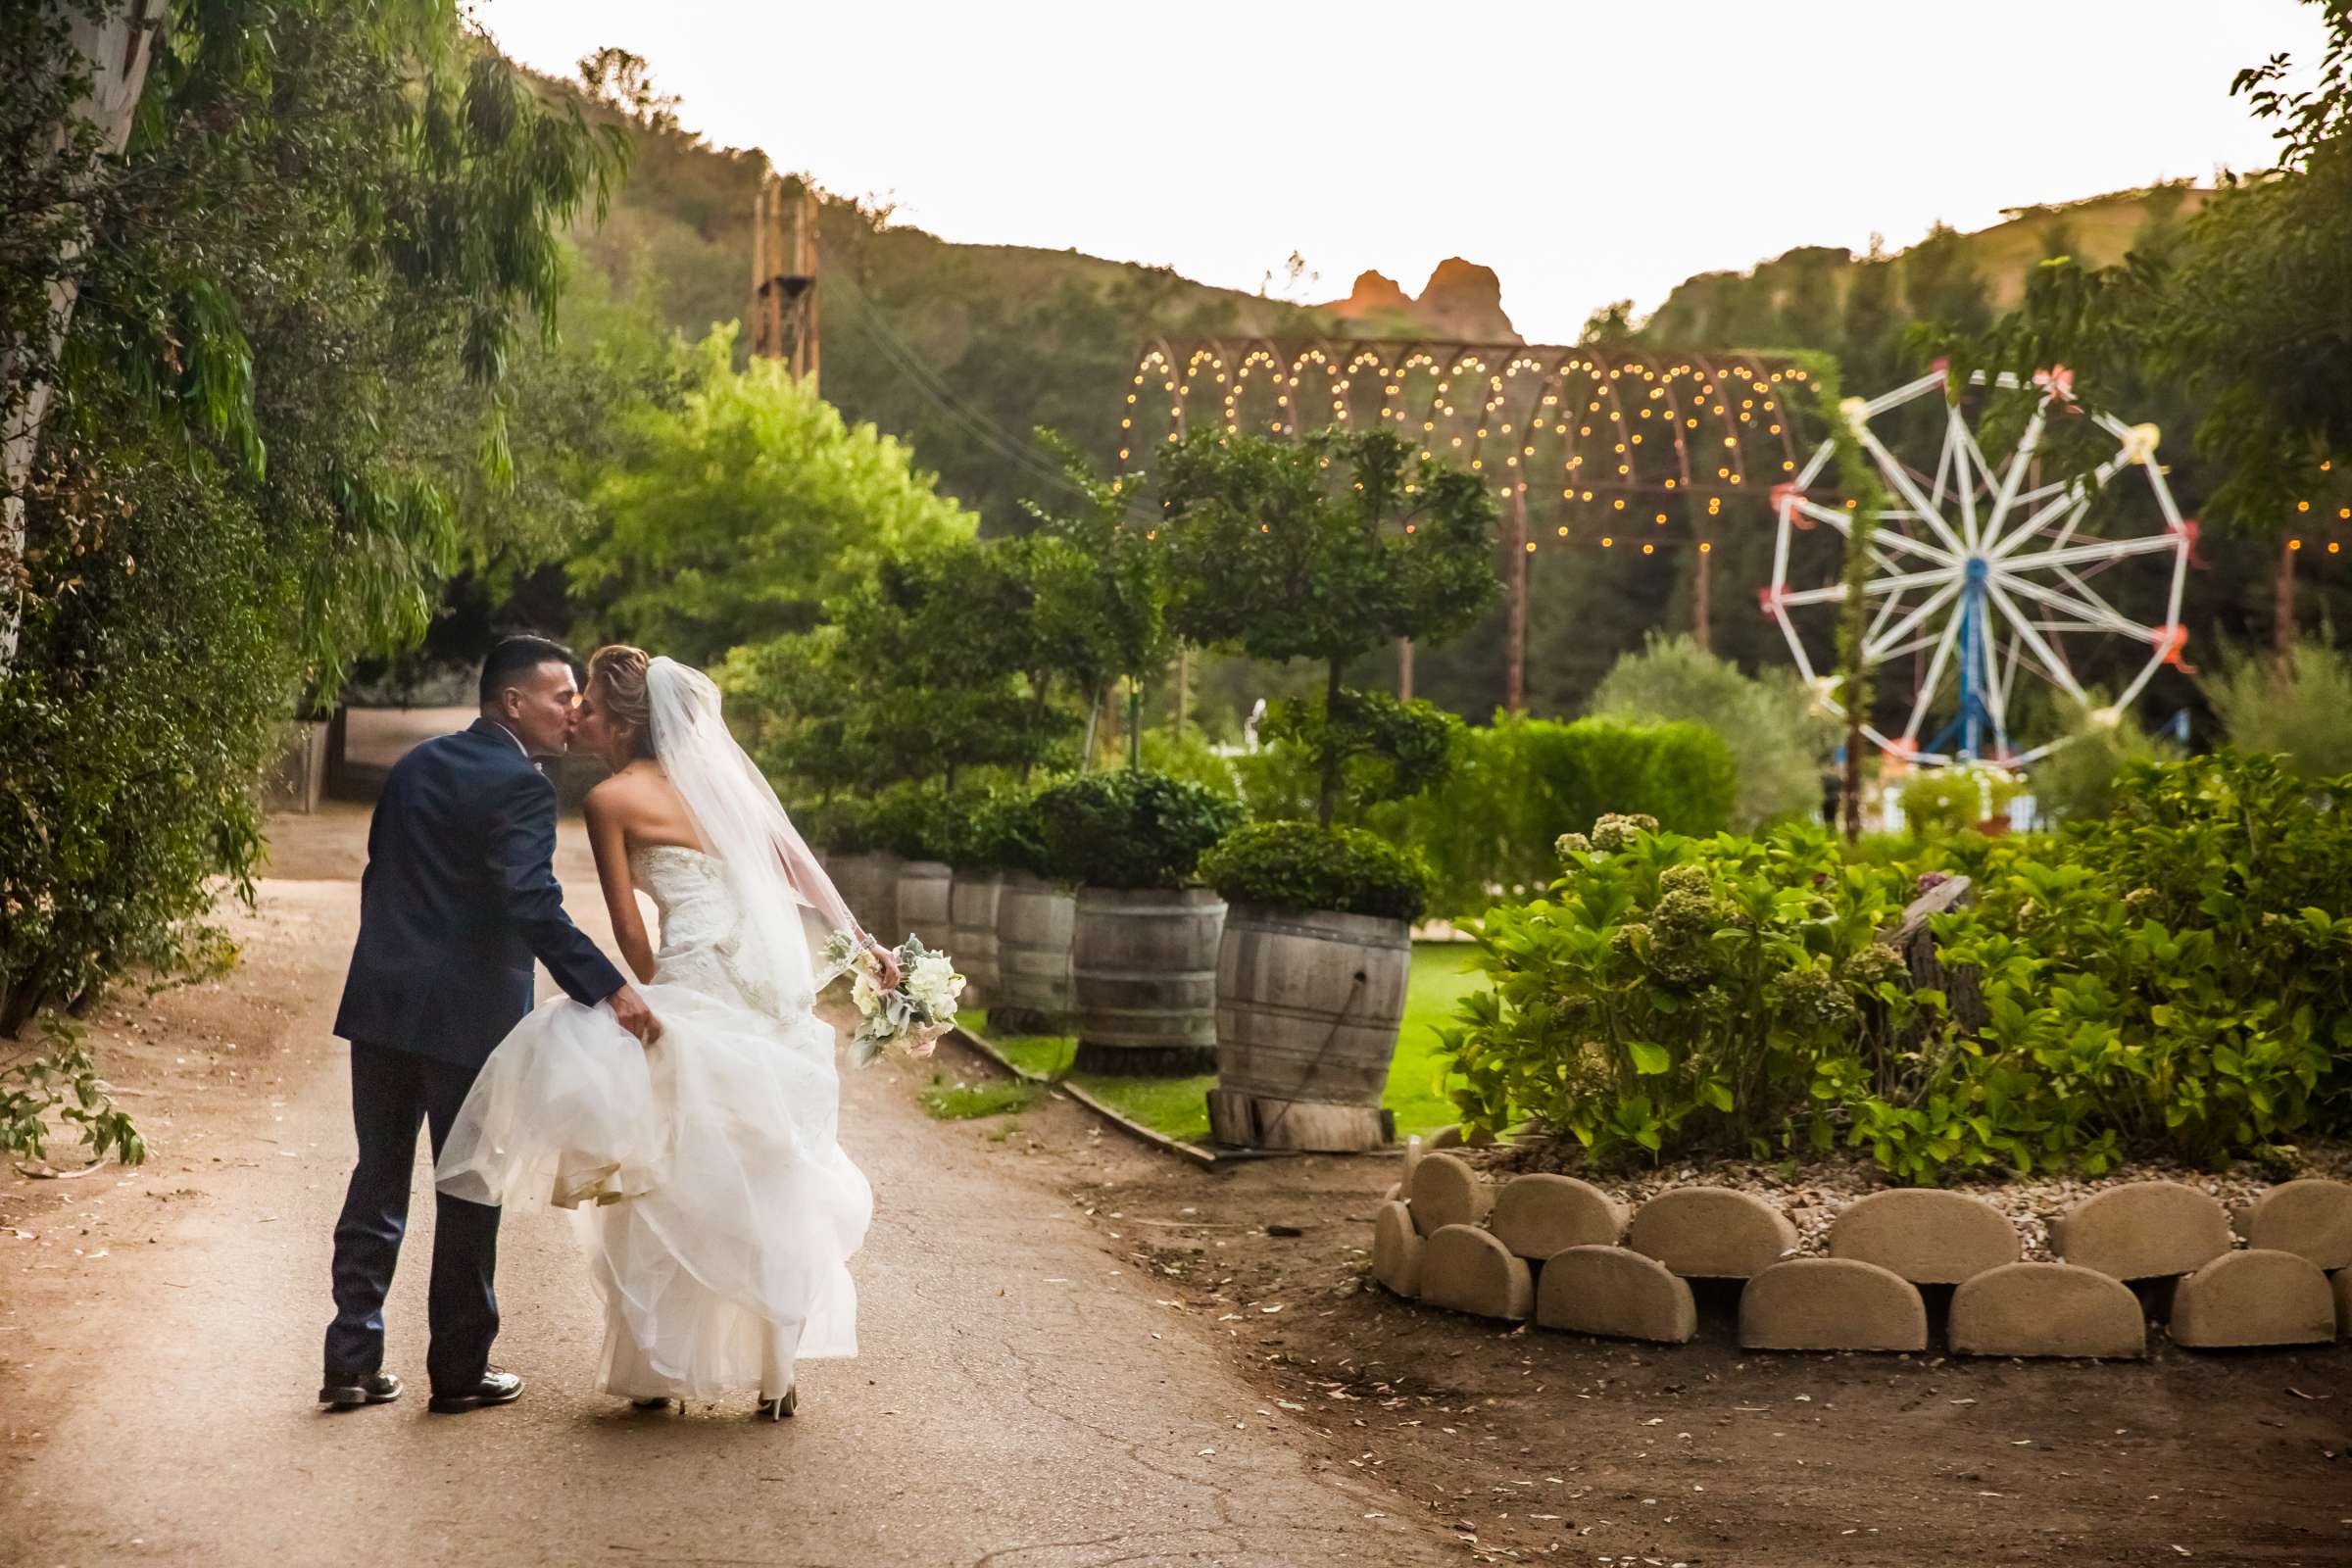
(718, 1207)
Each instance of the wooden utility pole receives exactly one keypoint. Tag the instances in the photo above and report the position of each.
(784, 274)
(1515, 686)
(2282, 601)
(1702, 593)
(1405, 669)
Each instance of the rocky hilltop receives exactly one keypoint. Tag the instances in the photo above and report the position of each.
(1461, 300)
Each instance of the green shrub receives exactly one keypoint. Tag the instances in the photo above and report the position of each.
(913, 822)
(1298, 866)
(991, 830)
(2075, 783)
(2174, 980)
(2300, 708)
(1778, 733)
(1955, 798)
(1674, 993)
(1129, 829)
(842, 825)
(1521, 783)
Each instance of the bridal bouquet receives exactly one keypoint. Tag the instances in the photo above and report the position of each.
(912, 1015)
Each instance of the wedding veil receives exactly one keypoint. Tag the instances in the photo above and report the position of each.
(790, 906)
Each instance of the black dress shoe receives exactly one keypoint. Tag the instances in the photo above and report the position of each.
(348, 1390)
(495, 1388)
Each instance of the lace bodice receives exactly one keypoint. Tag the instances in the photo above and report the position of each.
(703, 928)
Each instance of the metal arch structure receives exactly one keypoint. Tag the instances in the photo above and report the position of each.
(1987, 573)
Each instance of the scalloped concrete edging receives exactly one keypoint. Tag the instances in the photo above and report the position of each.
(1866, 1296)
(2257, 1297)
(2311, 1218)
(1617, 1294)
(1396, 1249)
(1445, 1191)
(1832, 1303)
(2144, 1230)
(1713, 1233)
(1465, 1268)
(2047, 1309)
(1540, 1214)
(1927, 1235)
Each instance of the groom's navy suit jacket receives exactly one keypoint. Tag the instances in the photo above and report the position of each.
(459, 896)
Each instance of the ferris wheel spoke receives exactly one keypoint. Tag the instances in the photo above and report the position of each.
(1900, 478)
(2005, 497)
(1924, 698)
(2052, 665)
(2090, 551)
(1960, 451)
(1873, 647)
(2095, 611)
(2069, 504)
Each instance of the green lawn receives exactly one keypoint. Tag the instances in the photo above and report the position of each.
(1179, 1106)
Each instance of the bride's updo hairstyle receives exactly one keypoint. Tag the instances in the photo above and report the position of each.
(616, 682)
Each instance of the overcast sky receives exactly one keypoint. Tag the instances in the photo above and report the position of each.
(1586, 151)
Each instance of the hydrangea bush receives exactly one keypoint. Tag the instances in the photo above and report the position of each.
(2173, 980)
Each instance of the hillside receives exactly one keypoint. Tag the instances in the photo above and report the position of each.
(964, 350)
(1791, 298)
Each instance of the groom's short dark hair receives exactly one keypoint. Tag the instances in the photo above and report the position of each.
(517, 656)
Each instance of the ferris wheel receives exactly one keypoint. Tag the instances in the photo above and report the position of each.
(1988, 577)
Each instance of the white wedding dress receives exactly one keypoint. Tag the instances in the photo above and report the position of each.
(718, 1208)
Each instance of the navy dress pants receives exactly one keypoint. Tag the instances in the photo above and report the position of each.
(393, 1092)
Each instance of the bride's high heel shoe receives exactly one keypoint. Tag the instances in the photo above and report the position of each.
(652, 1405)
(778, 1409)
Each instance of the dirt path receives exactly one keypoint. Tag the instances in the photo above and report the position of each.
(1024, 1398)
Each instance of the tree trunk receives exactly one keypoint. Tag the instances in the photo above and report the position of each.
(116, 46)
(1853, 772)
(1327, 799)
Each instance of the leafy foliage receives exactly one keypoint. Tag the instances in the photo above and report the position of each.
(1129, 829)
(1675, 993)
(1952, 800)
(1380, 747)
(2077, 782)
(1778, 736)
(744, 509)
(2168, 980)
(1521, 782)
(1324, 548)
(1301, 866)
(276, 425)
(2299, 706)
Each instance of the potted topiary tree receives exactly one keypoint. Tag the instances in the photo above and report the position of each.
(1143, 942)
(1311, 973)
(1326, 549)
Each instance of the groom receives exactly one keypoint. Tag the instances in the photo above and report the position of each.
(460, 895)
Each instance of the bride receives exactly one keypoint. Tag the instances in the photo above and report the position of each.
(721, 1211)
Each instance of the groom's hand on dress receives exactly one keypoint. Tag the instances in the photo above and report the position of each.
(631, 1010)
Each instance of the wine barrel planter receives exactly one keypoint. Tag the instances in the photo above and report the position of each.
(1144, 980)
(1308, 1006)
(1033, 918)
(973, 900)
(923, 901)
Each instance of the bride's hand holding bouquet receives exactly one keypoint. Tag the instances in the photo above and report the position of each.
(905, 999)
